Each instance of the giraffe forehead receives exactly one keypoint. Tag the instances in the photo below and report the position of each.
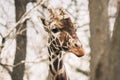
(56, 24)
(64, 25)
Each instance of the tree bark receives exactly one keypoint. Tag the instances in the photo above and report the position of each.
(21, 40)
(114, 53)
(99, 31)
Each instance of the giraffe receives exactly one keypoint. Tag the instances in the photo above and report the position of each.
(62, 39)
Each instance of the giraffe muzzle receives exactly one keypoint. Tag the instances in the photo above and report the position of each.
(78, 51)
(77, 48)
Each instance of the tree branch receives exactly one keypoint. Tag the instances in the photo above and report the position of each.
(5, 67)
(24, 18)
(82, 71)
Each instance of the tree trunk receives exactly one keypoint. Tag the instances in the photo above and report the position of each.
(21, 40)
(114, 53)
(99, 30)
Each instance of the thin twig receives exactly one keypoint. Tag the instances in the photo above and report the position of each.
(22, 20)
(5, 67)
(3, 43)
(24, 17)
(82, 71)
(79, 70)
(23, 62)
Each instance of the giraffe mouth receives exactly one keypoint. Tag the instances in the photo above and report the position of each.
(78, 51)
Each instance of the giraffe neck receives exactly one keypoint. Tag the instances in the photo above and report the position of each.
(56, 66)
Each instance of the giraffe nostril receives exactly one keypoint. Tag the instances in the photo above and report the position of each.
(76, 45)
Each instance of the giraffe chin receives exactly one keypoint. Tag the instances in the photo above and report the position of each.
(78, 52)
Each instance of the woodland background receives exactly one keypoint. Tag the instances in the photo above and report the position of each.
(23, 52)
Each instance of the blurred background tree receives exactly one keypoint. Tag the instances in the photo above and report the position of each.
(104, 48)
(21, 41)
(100, 37)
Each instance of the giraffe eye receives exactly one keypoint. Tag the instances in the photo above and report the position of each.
(55, 30)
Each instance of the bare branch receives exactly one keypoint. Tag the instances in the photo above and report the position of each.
(5, 67)
(24, 17)
(23, 62)
(22, 20)
(3, 43)
(82, 71)
(83, 25)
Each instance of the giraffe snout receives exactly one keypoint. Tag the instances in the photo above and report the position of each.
(77, 49)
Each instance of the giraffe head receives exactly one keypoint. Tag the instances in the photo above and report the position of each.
(62, 33)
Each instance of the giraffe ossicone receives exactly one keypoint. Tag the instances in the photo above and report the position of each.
(62, 38)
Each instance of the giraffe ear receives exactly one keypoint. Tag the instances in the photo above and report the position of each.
(45, 23)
